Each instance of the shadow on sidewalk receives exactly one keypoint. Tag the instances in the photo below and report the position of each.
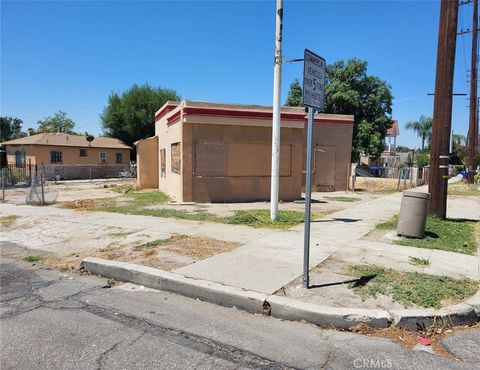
(357, 282)
(334, 219)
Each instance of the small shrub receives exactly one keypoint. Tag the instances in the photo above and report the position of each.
(418, 261)
(32, 258)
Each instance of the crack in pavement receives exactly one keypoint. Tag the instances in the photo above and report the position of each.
(197, 343)
(189, 340)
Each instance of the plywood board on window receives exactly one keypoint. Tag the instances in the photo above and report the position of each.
(252, 159)
(176, 160)
(325, 168)
(210, 159)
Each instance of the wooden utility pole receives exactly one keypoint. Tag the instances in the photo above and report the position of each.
(442, 108)
(473, 119)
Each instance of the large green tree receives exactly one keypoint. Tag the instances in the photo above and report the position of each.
(350, 90)
(11, 128)
(58, 123)
(422, 127)
(130, 116)
(295, 95)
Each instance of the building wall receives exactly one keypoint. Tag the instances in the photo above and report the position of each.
(225, 155)
(147, 163)
(333, 157)
(39, 154)
(232, 163)
(169, 181)
(81, 171)
(73, 166)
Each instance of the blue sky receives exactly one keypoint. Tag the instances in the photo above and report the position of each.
(70, 55)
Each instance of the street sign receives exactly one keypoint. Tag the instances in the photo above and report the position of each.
(313, 96)
(313, 80)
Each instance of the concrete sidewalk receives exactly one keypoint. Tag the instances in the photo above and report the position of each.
(63, 231)
(442, 263)
(267, 264)
(268, 259)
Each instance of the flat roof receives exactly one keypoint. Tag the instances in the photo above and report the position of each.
(173, 110)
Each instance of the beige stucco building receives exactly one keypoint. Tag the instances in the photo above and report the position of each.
(69, 156)
(209, 152)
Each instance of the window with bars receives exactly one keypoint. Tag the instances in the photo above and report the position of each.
(102, 157)
(19, 158)
(56, 157)
(119, 158)
(83, 152)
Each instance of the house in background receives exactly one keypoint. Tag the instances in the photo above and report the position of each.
(391, 139)
(69, 156)
(390, 161)
(211, 152)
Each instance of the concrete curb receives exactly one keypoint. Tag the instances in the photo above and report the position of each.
(339, 317)
(459, 314)
(281, 307)
(176, 283)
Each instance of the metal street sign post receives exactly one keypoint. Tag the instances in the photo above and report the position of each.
(313, 98)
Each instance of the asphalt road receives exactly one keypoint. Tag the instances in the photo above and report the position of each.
(52, 320)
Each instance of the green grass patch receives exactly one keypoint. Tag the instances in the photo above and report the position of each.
(463, 189)
(343, 199)
(388, 225)
(198, 215)
(147, 198)
(32, 258)
(137, 203)
(151, 244)
(418, 261)
(7, 221)
(454, 235)
(261, 218)
(409, 288)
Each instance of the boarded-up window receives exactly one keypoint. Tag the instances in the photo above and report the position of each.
(210, 159)
(163, 163)
(256, 160)
(176, 158)
(325, 168)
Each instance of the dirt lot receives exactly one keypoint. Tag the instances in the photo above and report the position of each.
(70, 190)
(329, 287)
(166, 254)
(81, 191)
(377, 185)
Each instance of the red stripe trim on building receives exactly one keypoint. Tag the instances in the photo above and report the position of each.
(173, 118)
(229, 113)
(239, 114)
(165, 110)
(326, 121)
